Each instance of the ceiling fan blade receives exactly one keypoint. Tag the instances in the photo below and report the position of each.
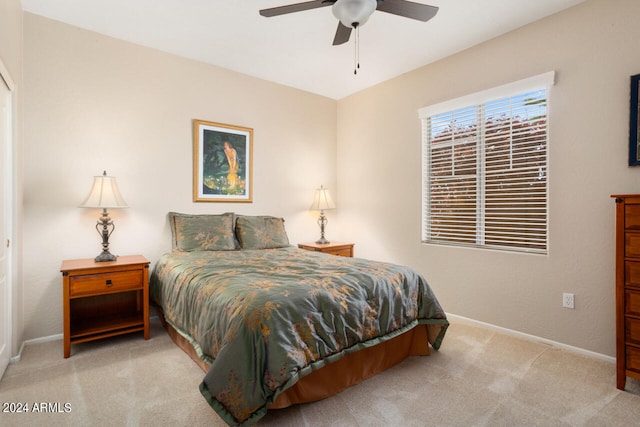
(408, 9)
(342, 34)
(297, 7)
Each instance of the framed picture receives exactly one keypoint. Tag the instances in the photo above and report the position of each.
(222, 168)
(634, 134)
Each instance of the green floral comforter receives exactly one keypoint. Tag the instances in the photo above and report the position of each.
(265, 318)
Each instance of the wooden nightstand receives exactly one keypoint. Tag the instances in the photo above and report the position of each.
(333, 248)
(104, 299)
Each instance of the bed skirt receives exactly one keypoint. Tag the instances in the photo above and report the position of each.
(345, 372)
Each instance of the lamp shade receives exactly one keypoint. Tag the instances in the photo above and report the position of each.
(104, 194)
(322, 200)
(353, 13)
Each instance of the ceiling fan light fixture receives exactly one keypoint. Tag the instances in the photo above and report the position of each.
(353, 13)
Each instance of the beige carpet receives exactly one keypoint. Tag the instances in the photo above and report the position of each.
(478, 378)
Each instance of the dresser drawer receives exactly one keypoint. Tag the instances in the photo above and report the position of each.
(632, 217)
(632, 273)
(633, 358)
(105, 282)
(632, 244)
(632, 332)
(632, 303)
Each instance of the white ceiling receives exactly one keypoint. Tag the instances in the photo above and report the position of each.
(296, 49)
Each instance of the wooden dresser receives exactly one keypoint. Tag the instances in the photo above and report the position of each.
(627, 288)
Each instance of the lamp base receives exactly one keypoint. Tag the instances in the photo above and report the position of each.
(322, 222)
(105, 256)
(105, 227)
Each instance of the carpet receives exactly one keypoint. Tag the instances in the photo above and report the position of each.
(479, 377)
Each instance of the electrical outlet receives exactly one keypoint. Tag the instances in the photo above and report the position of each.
(568, 300)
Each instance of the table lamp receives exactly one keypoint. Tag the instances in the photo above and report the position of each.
(322, 201)
(105, 195)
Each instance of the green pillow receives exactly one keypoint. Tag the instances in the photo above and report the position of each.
(261, 232)
(202, 232)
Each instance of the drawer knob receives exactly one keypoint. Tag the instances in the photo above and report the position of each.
(109, 283)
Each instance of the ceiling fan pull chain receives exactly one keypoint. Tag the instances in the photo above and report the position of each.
(357, 51)
(358, 38)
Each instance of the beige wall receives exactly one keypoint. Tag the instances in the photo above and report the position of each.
(11, 54)
(93, 103)
(11, 37)
(593, 49)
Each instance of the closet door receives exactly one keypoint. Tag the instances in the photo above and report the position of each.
(6, 209)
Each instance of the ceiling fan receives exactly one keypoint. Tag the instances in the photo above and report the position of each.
(354, 13)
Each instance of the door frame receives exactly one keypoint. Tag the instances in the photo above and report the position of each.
(9, 181)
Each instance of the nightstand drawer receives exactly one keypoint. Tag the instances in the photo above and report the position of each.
(340, 252)
(105, 282)
(333, 248)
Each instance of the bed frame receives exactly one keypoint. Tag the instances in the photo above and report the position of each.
(337, 376)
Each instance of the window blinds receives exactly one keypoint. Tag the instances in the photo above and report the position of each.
(485, 173)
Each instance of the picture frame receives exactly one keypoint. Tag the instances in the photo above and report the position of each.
(222, 162)
(634, 131)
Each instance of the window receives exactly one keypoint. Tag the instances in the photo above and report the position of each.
(484, 168)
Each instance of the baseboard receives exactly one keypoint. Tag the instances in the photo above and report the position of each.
(535, 338)
(511, 332)
(16, 358)
(45, 339)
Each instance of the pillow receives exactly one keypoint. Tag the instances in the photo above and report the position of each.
(202, 232)
(261, 232)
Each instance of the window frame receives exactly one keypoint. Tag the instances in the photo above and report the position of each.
(478, 101)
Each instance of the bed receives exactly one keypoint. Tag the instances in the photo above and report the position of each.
(273, 325)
